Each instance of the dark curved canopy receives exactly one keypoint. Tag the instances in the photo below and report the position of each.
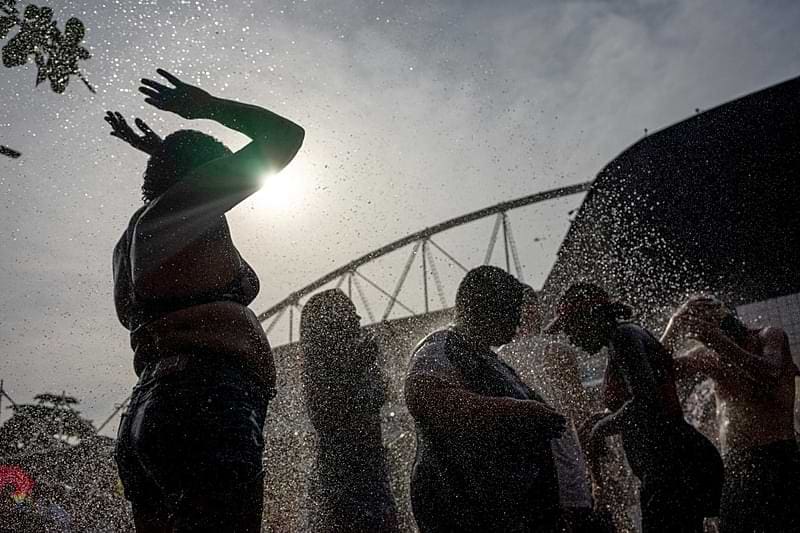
(711, 203)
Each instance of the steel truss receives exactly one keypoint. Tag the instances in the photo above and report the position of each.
(422, 248)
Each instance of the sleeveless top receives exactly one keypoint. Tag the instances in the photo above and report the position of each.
(164, 325)
(493, 477)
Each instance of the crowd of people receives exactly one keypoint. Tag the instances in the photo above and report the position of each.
(497, 451)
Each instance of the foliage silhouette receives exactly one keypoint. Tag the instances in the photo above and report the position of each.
(55, 54)
(5, 150)
(51, 422)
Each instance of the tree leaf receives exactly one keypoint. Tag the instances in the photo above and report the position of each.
(16, 51)
(6, 151)
(6, 23)
(42, 69)
(74, 31)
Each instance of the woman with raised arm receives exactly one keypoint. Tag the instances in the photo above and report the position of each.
(189, 448)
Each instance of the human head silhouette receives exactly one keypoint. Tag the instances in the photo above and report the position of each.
(330, 317)
(488, 303)
(586, 314)
(177, 155)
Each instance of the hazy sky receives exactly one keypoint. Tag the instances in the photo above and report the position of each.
(414, 111)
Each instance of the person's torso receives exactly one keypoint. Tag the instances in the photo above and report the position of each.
(749, 416)
(501, 465)
(206, 313)
(545, 377)
(658, 426)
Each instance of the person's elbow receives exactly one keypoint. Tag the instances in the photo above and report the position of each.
(295, 137)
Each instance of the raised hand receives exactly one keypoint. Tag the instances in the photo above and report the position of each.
(147, 142)
(183, 99)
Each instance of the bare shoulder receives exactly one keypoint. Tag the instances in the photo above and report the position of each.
(775, 347)
(773, 334)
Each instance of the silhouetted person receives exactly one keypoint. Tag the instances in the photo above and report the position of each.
(484, 462)
(680, 470)
(344, 391)
(190, 446)
(551, 369)
(754, 385)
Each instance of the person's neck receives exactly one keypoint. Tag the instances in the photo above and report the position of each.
(471, 336)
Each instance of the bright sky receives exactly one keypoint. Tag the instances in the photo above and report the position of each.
(415, 112)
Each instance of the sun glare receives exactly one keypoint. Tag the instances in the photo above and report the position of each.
(282, 191)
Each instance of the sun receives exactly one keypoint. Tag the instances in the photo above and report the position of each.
(282, 191)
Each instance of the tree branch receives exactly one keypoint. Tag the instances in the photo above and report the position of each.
(5, 150)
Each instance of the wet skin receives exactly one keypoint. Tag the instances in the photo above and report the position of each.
(751, 413)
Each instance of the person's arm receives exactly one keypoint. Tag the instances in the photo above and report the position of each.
(451, 405)
(616, 422)
(673, 334)
(699, 360)
(563, 360)
(629, 357)
(192, 206)
(763, 369)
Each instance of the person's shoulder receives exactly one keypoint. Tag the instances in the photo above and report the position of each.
(630, 328)
(773, 333)
(631, 334)
(121, 248)
(434, 342)
(431, 354)
(558, 350)
(517, 346)
(776, 339)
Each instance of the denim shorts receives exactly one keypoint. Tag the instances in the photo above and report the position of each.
(190, 446)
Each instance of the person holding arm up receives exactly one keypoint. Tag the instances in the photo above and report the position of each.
(754, 387)
(680, 470)
(190, 446)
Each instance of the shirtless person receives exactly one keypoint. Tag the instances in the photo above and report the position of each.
(754, 375)
(679, 470)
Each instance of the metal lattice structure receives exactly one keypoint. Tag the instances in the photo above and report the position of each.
(423, 248)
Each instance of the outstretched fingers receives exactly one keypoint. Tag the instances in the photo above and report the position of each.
(144, 127)
(150, 92)
(155, 85)
(169, 77)
(156, 103)
(119, 126)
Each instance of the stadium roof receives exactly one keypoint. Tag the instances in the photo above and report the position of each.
(711, 203)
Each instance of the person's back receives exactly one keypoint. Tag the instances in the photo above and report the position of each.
(206, 311)
(757, 436)
(749, 417)
(661, 447)
(639, 366)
